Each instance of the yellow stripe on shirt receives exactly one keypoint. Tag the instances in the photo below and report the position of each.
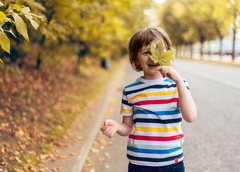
(150, 129)
(126, 110)
(161, 93)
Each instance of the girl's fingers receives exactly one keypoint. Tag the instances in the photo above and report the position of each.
(107, 131)
(109, 128)
(111, 134)
(103, 128)
(106, 122)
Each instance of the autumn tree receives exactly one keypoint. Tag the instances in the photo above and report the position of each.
(205, 20)
(173, 22)
(234, 9)
(13, 17)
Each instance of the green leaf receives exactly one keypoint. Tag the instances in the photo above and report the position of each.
(159, 55)
(21, 26)
(4, 42)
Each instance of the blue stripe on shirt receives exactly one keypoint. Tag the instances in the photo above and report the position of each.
(134, 84)
(171, 112)
(152, 151)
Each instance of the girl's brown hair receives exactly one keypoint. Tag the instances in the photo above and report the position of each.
(144, 37)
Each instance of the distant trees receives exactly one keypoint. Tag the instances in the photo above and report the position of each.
(190, 21)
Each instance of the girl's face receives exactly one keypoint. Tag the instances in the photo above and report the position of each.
(149, 67)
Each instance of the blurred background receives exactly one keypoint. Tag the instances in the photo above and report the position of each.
(56, 55)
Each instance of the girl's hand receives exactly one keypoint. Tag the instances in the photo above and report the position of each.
(170, 72)
(109, 128)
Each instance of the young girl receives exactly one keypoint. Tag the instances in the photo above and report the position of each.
(152, 108)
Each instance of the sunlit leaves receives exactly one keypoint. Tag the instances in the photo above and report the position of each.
(16, 11)
(4, 42)
(21, 26)
(1, 4)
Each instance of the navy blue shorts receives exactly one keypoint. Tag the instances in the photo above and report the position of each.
(179, 167)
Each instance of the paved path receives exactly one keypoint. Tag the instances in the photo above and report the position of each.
(108, 155)
(211, 142)
(70, 152)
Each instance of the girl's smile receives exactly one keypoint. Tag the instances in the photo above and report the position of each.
(155, 65)
(150, 69)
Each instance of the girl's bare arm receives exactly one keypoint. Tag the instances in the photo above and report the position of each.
(111, 127)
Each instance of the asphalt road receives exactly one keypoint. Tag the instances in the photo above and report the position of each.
(211, 142)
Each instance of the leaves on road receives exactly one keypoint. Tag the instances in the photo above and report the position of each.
(101, 156)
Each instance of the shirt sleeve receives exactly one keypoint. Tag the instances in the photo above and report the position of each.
(126, 107)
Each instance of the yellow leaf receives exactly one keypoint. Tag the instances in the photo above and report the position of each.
(2, 150)
(19, 8)
(1, 4)
(2, 16)
(41, 18)
(1, 61)
(21, 26)
(11, 158)
(107, 155)
(72, 154)
(29, 16)
(27, 166)
(4, 42)
(158, 55)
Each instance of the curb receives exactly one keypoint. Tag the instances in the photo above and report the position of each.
(111, 88)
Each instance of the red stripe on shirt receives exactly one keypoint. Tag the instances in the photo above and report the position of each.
(155, 138)
(148, 102)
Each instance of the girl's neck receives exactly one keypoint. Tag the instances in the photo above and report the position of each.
(152, 77)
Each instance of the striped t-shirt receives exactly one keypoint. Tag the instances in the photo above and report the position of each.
(157, 135)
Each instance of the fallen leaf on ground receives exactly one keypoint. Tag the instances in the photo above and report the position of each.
(62, 156)
(107, 166)
(92, 170)
(79, 137)
(107, 155)
(101, 160)
(94, 150)
(72, 154)
(110, 143)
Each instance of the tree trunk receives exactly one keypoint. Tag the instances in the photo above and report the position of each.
(106, 63)
(191, 51)
(201, 50)
(209, 50)
(39, 60)
(234, 42)
(177, 49)
(221, 46)
(234, 33)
